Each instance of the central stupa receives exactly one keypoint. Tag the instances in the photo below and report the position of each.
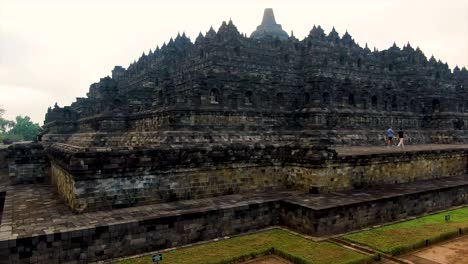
(269, 27)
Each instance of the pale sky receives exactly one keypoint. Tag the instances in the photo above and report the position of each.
(51, 51)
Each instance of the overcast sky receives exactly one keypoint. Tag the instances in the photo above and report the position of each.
(51, 51)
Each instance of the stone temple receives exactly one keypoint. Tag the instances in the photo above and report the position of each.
(237, 133)
(231, 99)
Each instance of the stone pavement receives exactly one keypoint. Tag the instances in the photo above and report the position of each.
(369, 150)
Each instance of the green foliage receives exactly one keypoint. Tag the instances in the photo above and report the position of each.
(4, 124)
(10, 137)
(25, 128)
(276, 241)
(406, 236)
(22, 129)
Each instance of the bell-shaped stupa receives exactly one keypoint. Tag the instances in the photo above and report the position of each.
(269, 27)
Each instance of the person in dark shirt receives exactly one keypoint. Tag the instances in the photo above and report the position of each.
(400, 137)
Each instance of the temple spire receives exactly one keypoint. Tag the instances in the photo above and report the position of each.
(268, 17)
(269, 27)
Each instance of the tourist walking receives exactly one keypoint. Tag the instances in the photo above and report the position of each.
(400, 138)
(389, 133)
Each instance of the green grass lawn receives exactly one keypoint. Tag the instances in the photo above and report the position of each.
(234, 250)
(405, 236)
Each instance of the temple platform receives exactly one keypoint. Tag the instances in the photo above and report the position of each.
(39, 227)
(97, 179)
(31, 210)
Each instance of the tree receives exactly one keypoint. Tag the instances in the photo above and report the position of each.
(4, 124)
(25, 128)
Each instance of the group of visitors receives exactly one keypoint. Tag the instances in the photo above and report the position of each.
(391, 134)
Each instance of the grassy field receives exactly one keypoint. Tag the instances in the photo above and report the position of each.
(282, 243)
(402, 237)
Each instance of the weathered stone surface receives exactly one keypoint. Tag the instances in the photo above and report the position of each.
(3, 157)
(27, 163)
(349, 172)
(340, 212)
(104, 178)
(60, 236)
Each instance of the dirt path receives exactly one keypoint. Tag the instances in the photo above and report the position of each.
(272, 259)
(450, 252)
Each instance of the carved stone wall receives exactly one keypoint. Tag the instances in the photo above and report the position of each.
(65, 185)
(105, 178)
(367, 171)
